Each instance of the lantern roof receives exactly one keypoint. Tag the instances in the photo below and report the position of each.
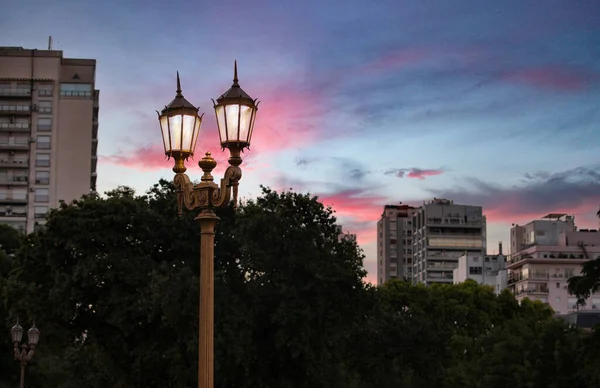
(179, 102)
(235, 93)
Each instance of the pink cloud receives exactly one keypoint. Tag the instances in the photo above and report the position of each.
(354, 205)
(152, 158)
(282, 122)
(284, 117)
(511, 211)
(555, 78)
(356, 212)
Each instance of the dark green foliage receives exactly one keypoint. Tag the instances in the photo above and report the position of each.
(587, 283)
(113, 285)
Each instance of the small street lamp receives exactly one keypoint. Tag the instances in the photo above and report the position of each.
(180, 125)
(25, 354)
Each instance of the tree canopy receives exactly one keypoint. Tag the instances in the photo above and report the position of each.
(113, 285)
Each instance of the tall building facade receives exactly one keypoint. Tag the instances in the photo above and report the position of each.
(48, 132)
(442, 232)
(394, 243)
(546, 253)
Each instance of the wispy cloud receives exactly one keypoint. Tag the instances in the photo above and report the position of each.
(414, 172)
(564, 79)
(572, 191)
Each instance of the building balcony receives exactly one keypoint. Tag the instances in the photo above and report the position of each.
(14, 93)
(538, 289)
(444, 267)
(461, 224)
(519, 261)
(14, 146)
(14, 163)
(515, 278)
(14, 127)
(14, 181)
(9, 200)
(83, 94)
(14, 215)
(15, 110)
(431, 280)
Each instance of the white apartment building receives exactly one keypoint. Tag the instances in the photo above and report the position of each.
(489, 270)
(442, 232)
(48, 132)
(394, 243)
(546, 253)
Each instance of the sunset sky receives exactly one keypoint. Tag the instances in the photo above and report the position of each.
(364, 103)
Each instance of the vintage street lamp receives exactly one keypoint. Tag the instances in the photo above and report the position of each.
(25, 354)
(180, 125)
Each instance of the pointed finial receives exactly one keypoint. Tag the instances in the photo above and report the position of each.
(235, 76)
(178, 85)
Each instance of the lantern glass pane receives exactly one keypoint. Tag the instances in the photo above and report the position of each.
(188, 134)
(164, 127)
(196, 132)
(252, 125)
(175, 124)
(33, 335)
(232, 112)
(245, 121)
(220, 110)
(16, 333)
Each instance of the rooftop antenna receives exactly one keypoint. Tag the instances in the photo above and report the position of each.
(50, 42)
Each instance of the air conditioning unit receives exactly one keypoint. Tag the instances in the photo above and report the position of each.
(31, 190)
(34, 108)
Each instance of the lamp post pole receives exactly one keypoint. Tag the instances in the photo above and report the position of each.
(180, 125)
(25, 354)
(206, 359)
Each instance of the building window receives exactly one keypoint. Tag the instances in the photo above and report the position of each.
(475, 270)
(20, 194)
(42, 177)
(45, 90)
(557, 285)
(43, 142)
(44, 107)
(44, 124)
(14, 108)
(42, 195)
(42, 160)
(40, 211)
(76, 90)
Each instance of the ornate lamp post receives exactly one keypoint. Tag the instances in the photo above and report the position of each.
(25, 354)
(180, 125)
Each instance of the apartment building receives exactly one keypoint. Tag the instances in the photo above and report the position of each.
(442, 232)
(394, 243)
(546, 253)
(489, 270)
(48, 132)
